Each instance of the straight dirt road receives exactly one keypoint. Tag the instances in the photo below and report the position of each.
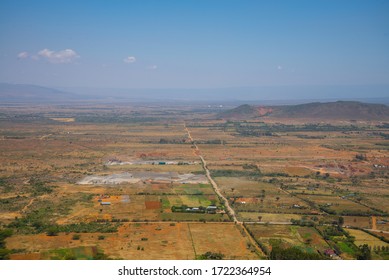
(219, 193)
(214, 185)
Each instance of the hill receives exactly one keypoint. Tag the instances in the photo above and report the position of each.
(348, 110)
(21, 93)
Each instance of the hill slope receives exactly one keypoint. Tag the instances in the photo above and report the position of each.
(21, 93)
(348, 110)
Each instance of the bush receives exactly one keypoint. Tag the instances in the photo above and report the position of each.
(4, 253)
(211, 256)
(52, 231)
(76, 237)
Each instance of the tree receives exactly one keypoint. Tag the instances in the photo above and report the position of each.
(365, 252)
(308, 241)
(211, 256)
(4, 252)
(340, 221)
(52, 231)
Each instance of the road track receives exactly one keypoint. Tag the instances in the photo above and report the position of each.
(216, 188)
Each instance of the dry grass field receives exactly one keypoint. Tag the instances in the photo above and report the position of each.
(365, 238)
(142, 241)
(306, 238)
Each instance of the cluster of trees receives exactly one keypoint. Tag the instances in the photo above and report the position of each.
(171, 141)
(39, 187)
(248, 131)
(381, 249)
(113, 220)
(38, 222)
(212, 141)
(250, 166)
(235, 173)
(5, 186)
(113, 118)
(250, 171)
(374, 212)
(303, 136)
(82, 227)
(210, 256)
(364, 252)
(267, 129)
(280, 251)
(4, 252)
(331, 231)
(293, 253)
(302, 222)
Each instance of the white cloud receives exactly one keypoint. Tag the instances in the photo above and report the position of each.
(23, 55)
(153, 67)
(129, 59)
(64, 56)
(279, 67)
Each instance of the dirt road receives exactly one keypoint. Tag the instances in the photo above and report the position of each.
(222, 197)
(214, 185)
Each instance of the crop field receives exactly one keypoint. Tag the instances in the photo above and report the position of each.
(337, 204)
(127, 182)
(357, 221)
(305, 238)
(234, 186)
(380, 202)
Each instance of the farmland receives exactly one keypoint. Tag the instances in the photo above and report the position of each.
(134, 182)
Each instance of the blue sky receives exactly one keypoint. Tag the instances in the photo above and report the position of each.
(194, 44)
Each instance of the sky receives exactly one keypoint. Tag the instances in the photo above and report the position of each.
(194, 44)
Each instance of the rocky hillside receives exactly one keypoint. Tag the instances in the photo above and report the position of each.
(348, 110)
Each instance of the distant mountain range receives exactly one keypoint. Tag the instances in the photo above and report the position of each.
(348, 110)
(228, 97)
(21, 93)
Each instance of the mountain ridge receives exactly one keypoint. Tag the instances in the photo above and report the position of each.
(27, 93)
(351, 110)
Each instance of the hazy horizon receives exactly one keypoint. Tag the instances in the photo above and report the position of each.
(270, 95)
(292, 46)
